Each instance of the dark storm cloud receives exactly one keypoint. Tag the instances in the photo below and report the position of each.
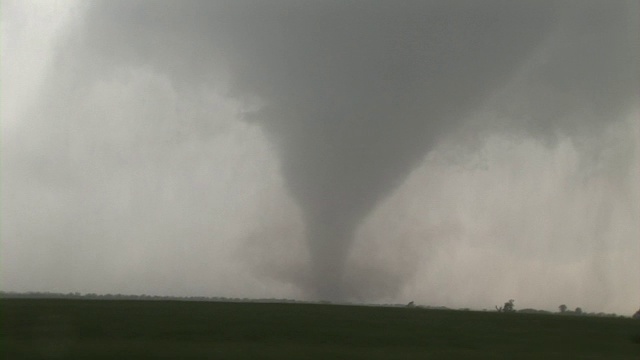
(354, 94)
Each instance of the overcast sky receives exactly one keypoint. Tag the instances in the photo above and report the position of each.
(457, 153)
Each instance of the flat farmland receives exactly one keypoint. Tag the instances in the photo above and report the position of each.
(109, 329)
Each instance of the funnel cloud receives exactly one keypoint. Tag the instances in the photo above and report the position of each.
(357, 102)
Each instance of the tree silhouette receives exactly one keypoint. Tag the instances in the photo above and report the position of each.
(508, 307)
(562, 308)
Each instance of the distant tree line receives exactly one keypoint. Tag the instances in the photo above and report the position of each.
(94, 296)
(508, 307)
(564, 310)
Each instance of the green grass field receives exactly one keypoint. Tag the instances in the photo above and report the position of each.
(86, 329)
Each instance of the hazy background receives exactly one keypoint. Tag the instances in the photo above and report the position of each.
(448, 153)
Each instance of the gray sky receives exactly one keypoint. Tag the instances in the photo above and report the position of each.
(455, 153)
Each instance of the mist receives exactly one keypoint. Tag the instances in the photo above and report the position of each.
(452, 153)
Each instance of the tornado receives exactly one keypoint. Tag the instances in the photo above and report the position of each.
(352, 94)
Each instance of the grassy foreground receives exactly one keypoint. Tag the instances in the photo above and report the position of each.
(45, 328)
